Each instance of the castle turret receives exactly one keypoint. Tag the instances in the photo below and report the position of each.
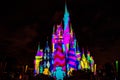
(38, 59)
(53, 39)
(48, 57)
(58, 54)
(84, 62)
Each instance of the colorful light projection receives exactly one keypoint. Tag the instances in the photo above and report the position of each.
(59, 55)
(72, 57)
(78, 54)
(66, 33)
(92, 64)
(70, 71)
(46, 71)
(59, 74)
(47, 56)
(65, 53)
(38, 59)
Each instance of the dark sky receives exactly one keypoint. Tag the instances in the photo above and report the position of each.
(25, 23)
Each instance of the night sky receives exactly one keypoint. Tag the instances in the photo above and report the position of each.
(23, 24)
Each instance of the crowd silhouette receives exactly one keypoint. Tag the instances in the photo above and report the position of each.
(106, 72)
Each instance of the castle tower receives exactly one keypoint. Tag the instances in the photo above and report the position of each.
(58, 54)
(38, 59)
(78, 55)
(47, 56)
(66, 35)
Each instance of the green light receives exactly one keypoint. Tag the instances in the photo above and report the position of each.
(117, 65)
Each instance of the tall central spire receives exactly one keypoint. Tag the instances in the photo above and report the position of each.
(66, 17)
(66, 35)
(66, 10)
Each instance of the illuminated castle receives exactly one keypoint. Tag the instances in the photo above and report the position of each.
(65, 52)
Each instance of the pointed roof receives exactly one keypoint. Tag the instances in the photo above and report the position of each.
(39, 51)
(71, 30)
(88, 56)
(77, 48)
(66, 17)
(66, 10)
(83, 57)
(39, 46)
(91, 60)
(47, 46)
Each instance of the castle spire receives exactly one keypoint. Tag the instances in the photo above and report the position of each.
(66, 10)
(71, 31)
(39, 51)
(38, 46)
(66, 17)
(77, 47)
(47, 46)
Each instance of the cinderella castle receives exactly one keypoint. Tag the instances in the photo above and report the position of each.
(64, 53)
